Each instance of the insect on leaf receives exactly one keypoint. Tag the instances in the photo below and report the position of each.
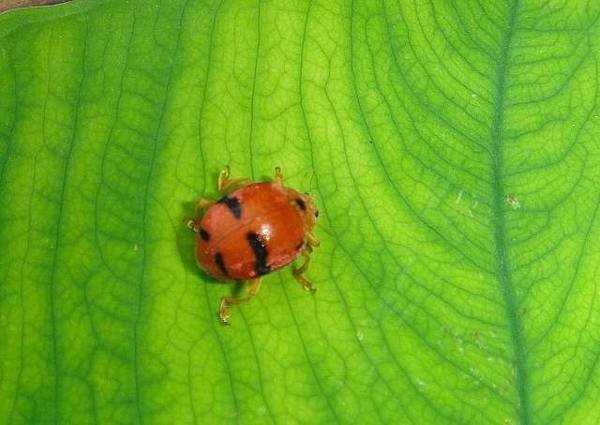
(452, 149)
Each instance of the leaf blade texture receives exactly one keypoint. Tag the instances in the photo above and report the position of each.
(452, 148)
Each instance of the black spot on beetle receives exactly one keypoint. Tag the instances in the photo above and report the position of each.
(260, 252)
(204, 235)
(220, 263)
(233, 204)
(317, 213)
(301, 204)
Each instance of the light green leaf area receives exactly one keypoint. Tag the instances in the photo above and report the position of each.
(453, 148)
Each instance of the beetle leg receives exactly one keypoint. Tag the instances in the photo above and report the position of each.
(227, 301)
(225, 183)
(312, 240)
(192, 223)
(278, 176)
(299, 273)
(203, 204)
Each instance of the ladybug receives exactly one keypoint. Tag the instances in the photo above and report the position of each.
(252, 231)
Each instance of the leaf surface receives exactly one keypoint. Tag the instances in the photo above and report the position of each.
(452, 148)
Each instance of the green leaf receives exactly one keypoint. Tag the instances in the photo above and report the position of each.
(452, 147)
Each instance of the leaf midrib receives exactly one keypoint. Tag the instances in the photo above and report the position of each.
(498, 222)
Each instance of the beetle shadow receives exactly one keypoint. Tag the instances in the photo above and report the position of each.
(265, 178)
(186, 239)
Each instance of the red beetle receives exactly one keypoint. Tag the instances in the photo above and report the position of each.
(252, 231)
